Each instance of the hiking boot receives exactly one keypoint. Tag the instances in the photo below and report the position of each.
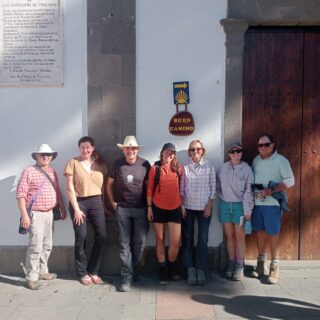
(260, 270)
(33, 285)
(274, 274)
(125, 285)
(229, 271)
(192, 276)
(173, 272)
(238, 272)
(47, 276)
(201, 277)
(163, 275)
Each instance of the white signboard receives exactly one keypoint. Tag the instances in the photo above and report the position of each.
(31, 42)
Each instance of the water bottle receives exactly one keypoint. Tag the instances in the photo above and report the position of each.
(247, 227)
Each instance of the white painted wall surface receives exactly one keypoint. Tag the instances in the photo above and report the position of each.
(31, 116)
(181, 40)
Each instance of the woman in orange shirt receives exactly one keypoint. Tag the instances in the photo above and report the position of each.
(164, 207)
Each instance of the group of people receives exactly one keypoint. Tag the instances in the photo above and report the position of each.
(167, 194)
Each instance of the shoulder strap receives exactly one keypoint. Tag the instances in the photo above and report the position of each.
(157, 176)
(48, 177)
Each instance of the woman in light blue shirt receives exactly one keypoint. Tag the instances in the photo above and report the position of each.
(234, 182)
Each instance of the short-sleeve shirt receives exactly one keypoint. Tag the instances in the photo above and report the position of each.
(86, 184)
(31, 180)
(275, 168)
(130, 182)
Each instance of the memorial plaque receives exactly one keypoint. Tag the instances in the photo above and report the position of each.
(31, 42)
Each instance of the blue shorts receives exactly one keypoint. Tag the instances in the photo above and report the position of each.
(266, 218)
(230, 211)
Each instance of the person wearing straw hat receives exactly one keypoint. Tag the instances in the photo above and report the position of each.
(126, 189)
(39, 221)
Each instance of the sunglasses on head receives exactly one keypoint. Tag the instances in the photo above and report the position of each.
(235, 151)
(267, 144)
(45, 154)
(195, 149)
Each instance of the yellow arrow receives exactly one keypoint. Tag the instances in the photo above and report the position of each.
(181, 85)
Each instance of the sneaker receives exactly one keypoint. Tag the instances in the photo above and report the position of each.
(33, 285)
(201, 277)
(229, 271)
(238, 272)
(192, 276)
(274, 274)
(47, 276)
(173, 272)
(163, 275)
(125, 285)
(260, 270)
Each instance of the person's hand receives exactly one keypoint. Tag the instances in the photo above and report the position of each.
(207, 211)
(63, 213)
(247, 216)
(25, 221)
(264, 193)
(78, 217)
(114, 205)
(150, 214)
(184, 212)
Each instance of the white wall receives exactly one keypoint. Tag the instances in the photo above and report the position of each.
(181, 40)
(31, 116)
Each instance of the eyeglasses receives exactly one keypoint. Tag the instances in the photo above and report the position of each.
(195, 149)
(267, 144)
(45, 154)
(132, 148)
(235, 151)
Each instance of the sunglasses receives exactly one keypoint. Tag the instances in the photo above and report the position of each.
(235, 151)
(195, 149)
(45, 154)
(268, 144)
(132, 148)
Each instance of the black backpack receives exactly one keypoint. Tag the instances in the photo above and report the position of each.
(157, 176)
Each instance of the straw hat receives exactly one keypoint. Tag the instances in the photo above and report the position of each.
(129, 141)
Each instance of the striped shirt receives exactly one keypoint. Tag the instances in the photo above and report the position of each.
(31, 180)
(198, 184)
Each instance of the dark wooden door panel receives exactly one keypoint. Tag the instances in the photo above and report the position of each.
(310, 183)
(272, 102)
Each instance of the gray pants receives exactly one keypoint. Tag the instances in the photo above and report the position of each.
(133, 229)
(40, 244)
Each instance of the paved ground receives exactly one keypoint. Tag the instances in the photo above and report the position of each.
(297, 296)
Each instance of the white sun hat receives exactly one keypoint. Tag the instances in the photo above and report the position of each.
(129, 141)
(44, 148)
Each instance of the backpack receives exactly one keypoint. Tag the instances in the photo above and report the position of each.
(158, 173)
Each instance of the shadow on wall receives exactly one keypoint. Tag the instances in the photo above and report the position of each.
(256, 307)
(11, 219)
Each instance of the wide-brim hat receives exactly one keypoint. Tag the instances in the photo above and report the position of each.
(169, 146)
(129, 141)
(235, 145)
(44, 148)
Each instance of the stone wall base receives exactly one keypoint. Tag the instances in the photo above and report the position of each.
(62, 259)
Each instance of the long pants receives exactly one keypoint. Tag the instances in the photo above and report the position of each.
(133, 229)
(198, 258)
(40, 244)
(92, 207)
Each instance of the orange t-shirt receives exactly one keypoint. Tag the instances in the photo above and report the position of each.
(168, 197)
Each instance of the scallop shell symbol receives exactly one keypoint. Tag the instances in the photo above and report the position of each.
(181, 97)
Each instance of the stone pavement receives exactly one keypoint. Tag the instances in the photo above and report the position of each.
(297, 296)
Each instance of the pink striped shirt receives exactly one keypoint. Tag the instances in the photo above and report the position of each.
(31, 180)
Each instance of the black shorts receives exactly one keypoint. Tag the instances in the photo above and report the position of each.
(164, 216)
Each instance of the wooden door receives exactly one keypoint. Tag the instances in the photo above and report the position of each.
(310, 170)
(273, 102)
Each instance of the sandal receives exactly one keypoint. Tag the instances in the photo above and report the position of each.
(96, 279)
(86, 280)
